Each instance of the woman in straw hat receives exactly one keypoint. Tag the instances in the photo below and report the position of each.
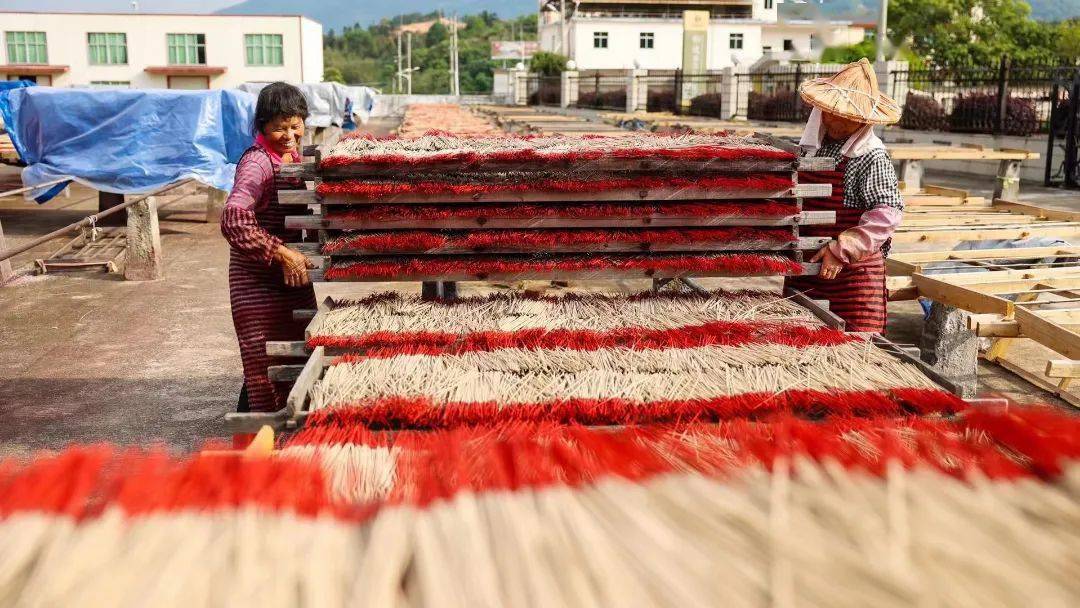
(865, 196)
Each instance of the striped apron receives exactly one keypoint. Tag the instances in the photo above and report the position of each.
(857, 295)
(262, 304)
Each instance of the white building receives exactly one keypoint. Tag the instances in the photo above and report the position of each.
(143, 50)
(648, 34)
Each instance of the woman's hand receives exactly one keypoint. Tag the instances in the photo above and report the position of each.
(830, 264)
(294, 266)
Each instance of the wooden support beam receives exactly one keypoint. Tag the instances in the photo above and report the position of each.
(284, 373)
(583, 275)
(986, 254)
(313, 250)
(1048, 333)
(1054, 389)
(1036, 211)
(959, 296)
(1063, 368)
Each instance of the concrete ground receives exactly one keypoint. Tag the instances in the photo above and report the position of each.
(89, 357)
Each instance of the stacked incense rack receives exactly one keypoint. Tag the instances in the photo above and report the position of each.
(448, 208)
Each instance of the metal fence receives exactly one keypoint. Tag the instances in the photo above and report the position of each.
(1002, 99)
(543, 90)
(773, 95)
(601, 91)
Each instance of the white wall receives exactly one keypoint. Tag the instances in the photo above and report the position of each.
(66, 37)
(721, 55)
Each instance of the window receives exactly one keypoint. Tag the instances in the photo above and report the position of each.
(789, 45)
(768, 4)
(735, 41)
(26, 47)
(646, 40)
(187, 49)
(110, 84)
(599, 40)
(263, 49)
(107, 49)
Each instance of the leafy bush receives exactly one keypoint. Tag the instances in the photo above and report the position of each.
(707, 104)
(603, 99)
(781, 105)
(660, 100)
(548, 64)
(978, 113)
(923, 112)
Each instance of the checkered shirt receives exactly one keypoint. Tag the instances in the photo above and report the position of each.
(869, 180)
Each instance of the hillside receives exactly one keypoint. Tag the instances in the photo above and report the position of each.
(336, 14)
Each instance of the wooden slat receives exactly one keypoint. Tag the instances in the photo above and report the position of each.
(587, 275)
(1048, 333)
(1036, 211)
(1019, 253)
(960, 296)
(958, 233)
(1063, 368)
(286, 348)
(314, 222)
(611, 164)
(930, 152)
(284, 373)
(1042, 383)
(307, 197)
(804, 243)
(313, 369)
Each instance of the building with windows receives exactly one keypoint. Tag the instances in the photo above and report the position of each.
(648, 34)
(143, 50)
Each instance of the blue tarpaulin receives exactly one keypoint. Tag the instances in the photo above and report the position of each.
(127, 141)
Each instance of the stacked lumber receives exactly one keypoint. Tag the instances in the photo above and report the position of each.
(446, 207)
(423, 117)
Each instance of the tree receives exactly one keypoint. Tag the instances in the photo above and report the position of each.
(970, 32)
(332, 74)
(1068, 41)
(849, 53)
(438, 33)
(548, 64)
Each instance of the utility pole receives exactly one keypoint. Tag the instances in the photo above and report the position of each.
(397, 75)
(882, 29)
(408, 60)
(562, 27)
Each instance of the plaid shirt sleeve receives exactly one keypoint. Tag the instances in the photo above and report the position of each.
(239, 224)
(878, 183)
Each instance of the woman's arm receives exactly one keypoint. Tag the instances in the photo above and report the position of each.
(254, 175)
(881, 191)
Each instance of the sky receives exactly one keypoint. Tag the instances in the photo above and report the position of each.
(116, 6)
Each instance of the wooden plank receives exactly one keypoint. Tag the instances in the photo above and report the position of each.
(287, 348)
(313, 369)
(1020, 253)
(1036, 211)
(934, 200)
(959, 296)
(307, 197)
(954, 233)
(585, 275)
(945, 191)
(303, 314)
(1063, 368)
(315, 222)
(611, 247)
(915, 221)
(1039, 382)
(929, 152)
(1048, 333)
(608, 164)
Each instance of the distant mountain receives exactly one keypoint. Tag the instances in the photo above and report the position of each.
(867, 10)
(336, 14)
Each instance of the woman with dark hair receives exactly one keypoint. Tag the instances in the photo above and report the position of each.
(267, 280)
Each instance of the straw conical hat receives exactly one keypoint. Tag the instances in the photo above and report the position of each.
(852, 93)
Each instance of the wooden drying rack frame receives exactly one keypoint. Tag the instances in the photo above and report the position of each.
(304, 376)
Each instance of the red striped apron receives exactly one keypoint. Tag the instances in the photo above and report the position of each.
(857, 295)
